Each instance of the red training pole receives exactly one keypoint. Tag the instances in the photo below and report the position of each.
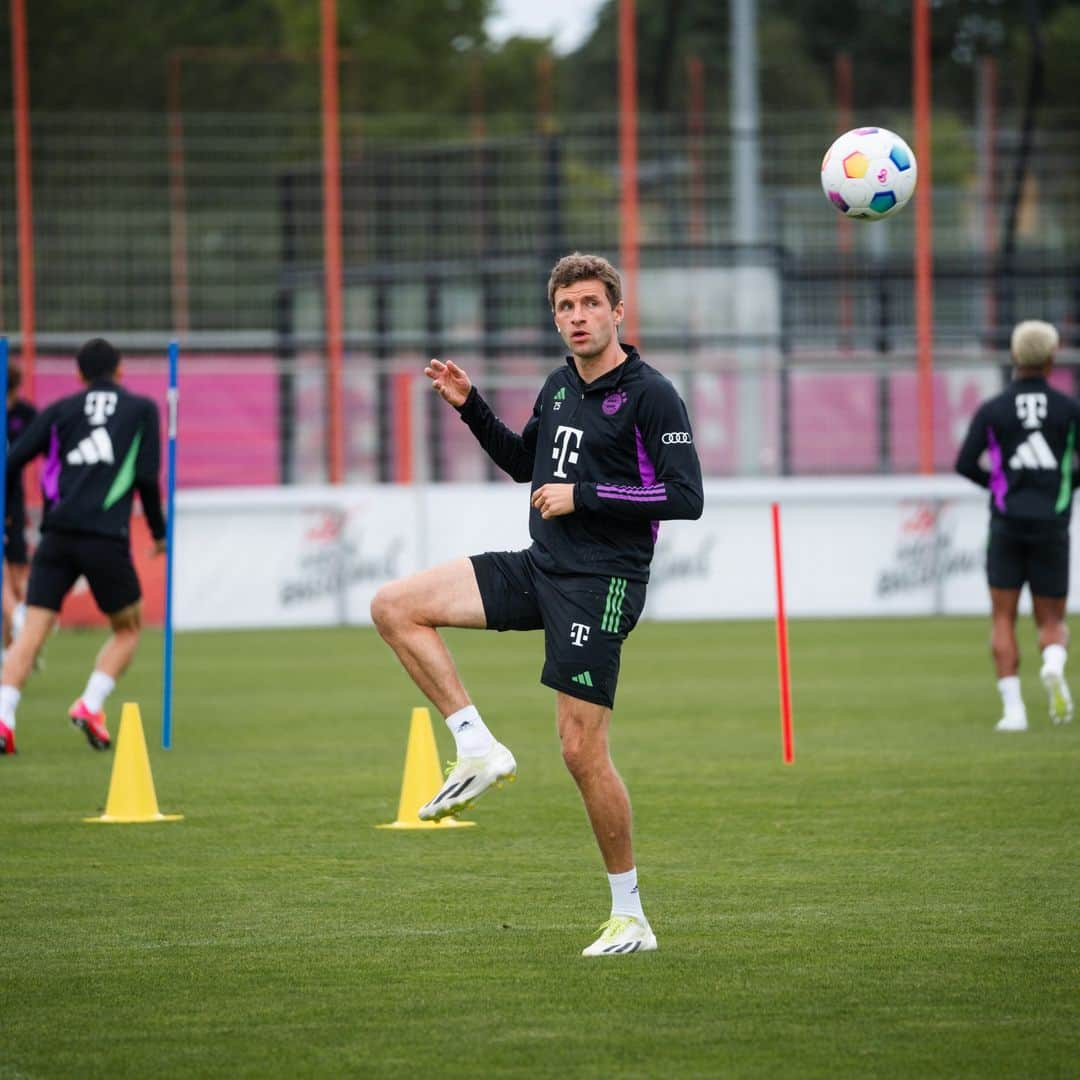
(20, 76)
(630, 236)
(924, 242)
(781, 642)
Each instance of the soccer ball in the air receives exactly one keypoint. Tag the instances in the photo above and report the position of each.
(868, 173)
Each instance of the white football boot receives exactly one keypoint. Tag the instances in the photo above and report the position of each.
(1057, 692)
(1012, 721)
(467, 779)
(622, 935)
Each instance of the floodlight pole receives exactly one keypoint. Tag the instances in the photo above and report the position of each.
(746, 227)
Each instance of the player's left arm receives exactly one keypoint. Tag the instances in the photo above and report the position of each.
(972, 448)
(670, 485)
(148, 472)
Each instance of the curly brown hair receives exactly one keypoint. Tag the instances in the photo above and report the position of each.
(571, 269)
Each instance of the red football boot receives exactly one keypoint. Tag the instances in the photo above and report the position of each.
(7, 739)
(91, 724)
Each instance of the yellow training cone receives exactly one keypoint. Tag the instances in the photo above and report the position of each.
(131, 790)
(422, 778)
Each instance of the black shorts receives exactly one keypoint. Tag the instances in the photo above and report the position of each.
(585, 619)
(61, 558)
(15, 546)
(1035, 552)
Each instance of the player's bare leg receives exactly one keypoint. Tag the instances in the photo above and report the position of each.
(583, 731)
(113, 659)
(18, 660)
(407, 613)
(1049, 612)
(1004, 604)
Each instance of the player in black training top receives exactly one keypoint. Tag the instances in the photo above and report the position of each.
(101, 446)
(610, 454)
(16, 558)
(1028, 434)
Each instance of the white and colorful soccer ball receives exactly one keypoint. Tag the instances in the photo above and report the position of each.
(869, 172)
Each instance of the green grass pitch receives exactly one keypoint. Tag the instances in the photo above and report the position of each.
(903, 901)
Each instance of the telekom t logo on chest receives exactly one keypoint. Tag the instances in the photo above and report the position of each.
(99, 406)
(1031, 409)
(564, 452)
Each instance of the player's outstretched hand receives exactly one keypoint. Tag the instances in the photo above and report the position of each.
(449, 382)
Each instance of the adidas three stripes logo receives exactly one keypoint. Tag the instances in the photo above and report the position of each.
(96, 447)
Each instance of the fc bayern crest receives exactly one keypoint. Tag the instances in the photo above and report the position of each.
(614, 402)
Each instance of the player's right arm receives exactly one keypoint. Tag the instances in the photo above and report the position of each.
(513, 453)
(147, 473)
(973, 447)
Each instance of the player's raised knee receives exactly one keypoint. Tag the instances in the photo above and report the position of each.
(386, 608)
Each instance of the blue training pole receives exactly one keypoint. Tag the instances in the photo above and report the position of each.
(3, 444)
(173, 399)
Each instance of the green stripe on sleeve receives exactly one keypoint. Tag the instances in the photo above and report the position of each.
(1065, 491)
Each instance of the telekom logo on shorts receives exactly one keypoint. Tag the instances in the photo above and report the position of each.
(564, 452)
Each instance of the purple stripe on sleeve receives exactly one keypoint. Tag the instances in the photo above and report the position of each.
(50, 471)
(628, 496)
(648, 473)
(999, 483)
(616, 489)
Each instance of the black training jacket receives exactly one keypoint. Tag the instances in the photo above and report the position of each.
(1029, 433)
(623, 441)
(101, 446)
(18, 420)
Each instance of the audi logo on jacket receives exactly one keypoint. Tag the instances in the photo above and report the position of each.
(624, 441)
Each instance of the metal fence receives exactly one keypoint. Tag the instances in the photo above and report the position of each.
(210, 226)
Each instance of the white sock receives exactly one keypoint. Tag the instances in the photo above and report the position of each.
(624, 895)
(470, 732)
(1009, 688)
(98, 687)
(1054, 657)
(9, 702)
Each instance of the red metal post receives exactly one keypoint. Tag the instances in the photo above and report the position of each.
(331, 146)
(924, 282)
(844, 239)
(695, 74)
(628, 166)
(177, 201)
(987, 155)
(23, 192)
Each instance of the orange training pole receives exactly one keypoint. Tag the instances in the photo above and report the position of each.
(924, 282)
(331, 144)
(628, 167)
(24, 194)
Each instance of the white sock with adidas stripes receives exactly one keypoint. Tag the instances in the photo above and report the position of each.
(625, 899)
(470, 733)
